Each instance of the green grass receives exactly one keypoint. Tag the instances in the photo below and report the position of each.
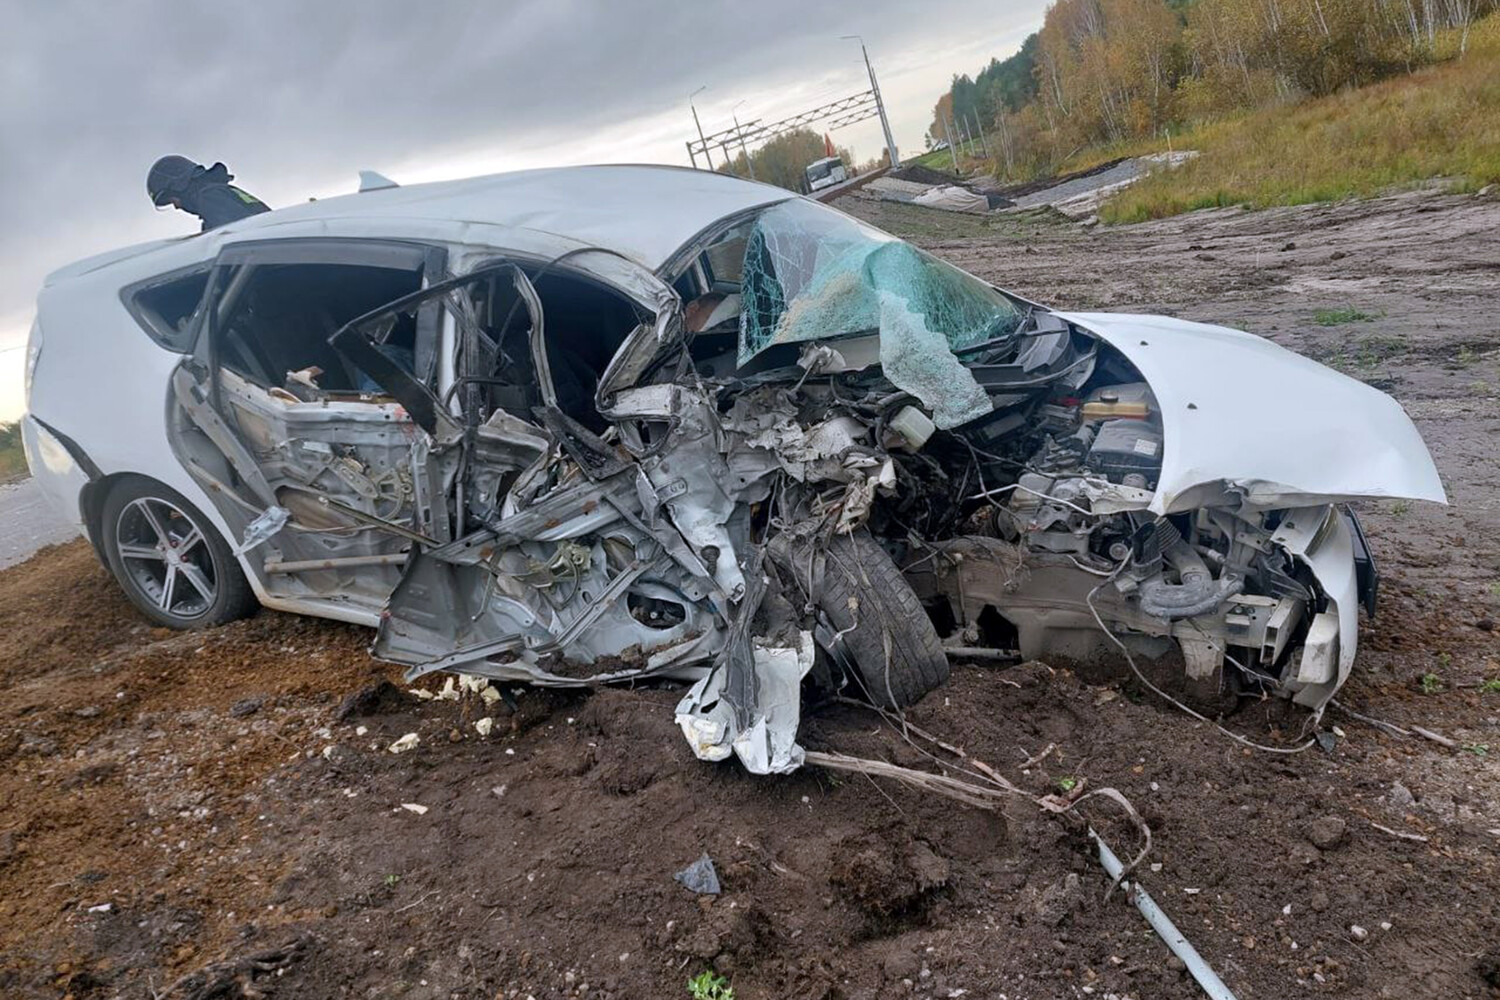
(1491, 686)
(1439, 122)
(1430, 683)
(1370, 352)
(942, 159)
(1338, 317)
(706, 985)
(1363, 357)
(12, 457)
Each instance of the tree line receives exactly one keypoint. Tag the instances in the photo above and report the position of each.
(1107, 71)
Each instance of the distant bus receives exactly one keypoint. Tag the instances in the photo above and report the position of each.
(825, 173)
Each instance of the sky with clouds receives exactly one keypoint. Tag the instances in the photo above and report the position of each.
(298, 97)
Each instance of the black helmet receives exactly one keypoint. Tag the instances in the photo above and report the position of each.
(170, 175)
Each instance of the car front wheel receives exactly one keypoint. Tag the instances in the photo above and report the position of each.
(169, 559)
(895, 651)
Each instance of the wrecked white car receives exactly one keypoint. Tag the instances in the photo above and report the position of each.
(587, 425)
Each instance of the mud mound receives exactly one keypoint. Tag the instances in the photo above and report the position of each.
(919, 174)
(630, 730)
(889, 873)
(378, 698)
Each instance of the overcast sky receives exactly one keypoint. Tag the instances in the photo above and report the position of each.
(298, 97)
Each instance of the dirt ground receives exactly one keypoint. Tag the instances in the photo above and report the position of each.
(212, 814)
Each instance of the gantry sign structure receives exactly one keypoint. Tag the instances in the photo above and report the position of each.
(835, 114)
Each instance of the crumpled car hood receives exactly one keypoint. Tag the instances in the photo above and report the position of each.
(1241, 414)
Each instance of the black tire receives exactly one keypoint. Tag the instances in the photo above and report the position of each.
(139, 515)
(857, 586)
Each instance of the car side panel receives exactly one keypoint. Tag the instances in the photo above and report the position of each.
(59, 476)
(104, 384)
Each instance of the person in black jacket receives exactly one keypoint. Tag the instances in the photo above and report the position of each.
(201, 191)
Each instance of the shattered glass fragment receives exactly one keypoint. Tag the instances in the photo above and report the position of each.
(916, 358)
(700, 877)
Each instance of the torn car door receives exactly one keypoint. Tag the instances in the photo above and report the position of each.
(288, 432)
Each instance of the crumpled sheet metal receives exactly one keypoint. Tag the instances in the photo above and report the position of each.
(764, 425)
(768, 745)
(766, 432)
(817, 453)
(1351, 440)
(263, 528)
(855, 505)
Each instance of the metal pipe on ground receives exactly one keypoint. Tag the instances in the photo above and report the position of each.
(1212, 985)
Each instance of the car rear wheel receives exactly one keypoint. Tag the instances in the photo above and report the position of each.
(169, 559)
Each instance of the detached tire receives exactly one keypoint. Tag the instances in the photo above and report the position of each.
(866, 599)
(169, 559)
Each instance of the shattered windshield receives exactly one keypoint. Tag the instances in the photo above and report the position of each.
(812, 273)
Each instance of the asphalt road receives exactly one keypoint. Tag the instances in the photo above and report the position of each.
(28, 522)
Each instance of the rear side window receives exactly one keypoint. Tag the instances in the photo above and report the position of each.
(166, 307)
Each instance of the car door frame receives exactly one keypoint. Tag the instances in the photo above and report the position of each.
(430, 258)
(196, 384)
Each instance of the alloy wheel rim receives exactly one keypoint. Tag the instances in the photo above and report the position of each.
(166, 557)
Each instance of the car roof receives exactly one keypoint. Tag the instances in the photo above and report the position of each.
(645, 212)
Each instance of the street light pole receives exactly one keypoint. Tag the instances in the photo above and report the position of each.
(701, 141)
(885, 123)
(741, 133)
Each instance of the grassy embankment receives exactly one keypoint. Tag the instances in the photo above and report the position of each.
(941, 159)
(12, 459)
(1442, 121)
